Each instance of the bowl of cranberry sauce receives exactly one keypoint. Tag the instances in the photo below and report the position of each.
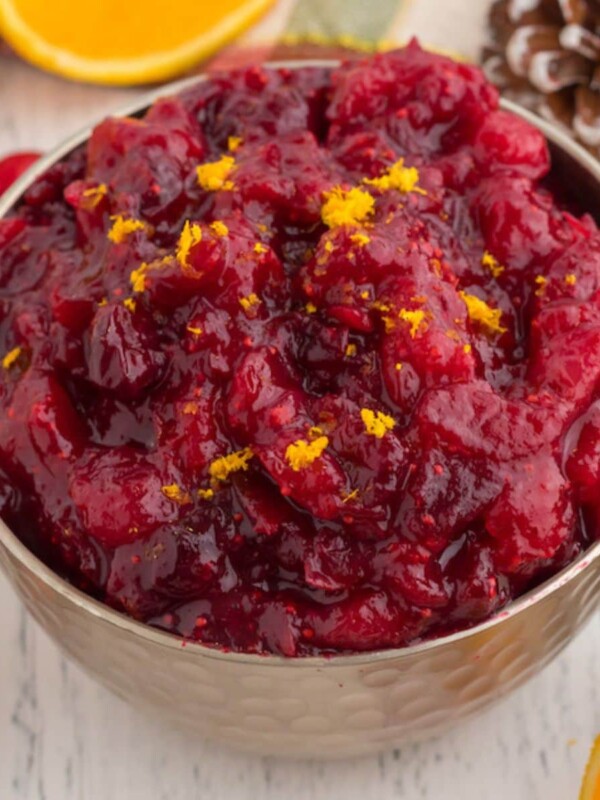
(298, 397)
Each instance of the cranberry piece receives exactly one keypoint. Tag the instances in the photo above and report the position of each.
(565, 338)
(333, 563)
(261, 104)
(187, 428)
(278, 629)
(41, 424)
(365, 621)
(445, 495)
(583, 465)
(574, 274)
(118, 494)
(11, 167)
(480, 588)
(122, 352)
(410, 571)
(521, 226)
(506, 143)
(147, 163)
(532, 517)
(287, 176)
(416, 88)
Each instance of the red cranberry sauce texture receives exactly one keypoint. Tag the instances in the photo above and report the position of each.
(303, 361)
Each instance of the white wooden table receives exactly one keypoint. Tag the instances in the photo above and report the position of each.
(64, 738)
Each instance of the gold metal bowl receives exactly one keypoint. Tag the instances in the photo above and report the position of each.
(320, 707)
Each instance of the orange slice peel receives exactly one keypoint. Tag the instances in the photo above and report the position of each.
(116, 42)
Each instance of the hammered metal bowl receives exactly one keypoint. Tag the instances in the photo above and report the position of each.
(319, 707)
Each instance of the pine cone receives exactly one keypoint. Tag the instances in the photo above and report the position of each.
(545, 55)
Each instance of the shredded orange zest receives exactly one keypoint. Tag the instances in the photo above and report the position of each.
(467, 348)
(311, 308)
(398, 366)
(260, 248)
(103, 302)
(590, 788)
(194, 329)
(570, 279)
(122, 227)
(303, 453)
(190, 408)
(94, 195)
(221, 468)
(219, 228)
(376, 422)
(403, 179)
(190, 236)
(11, 357)
(234, 143)
(347, 498)
(378, 305)
(541, 281)
(494, 266)
(351, 350)
(214, 176)
(138, 278)
(361, 239)
(414, 318)
(479, 312)
(389, 324)
(329, 246)
(249, 302)
(346, 207)
(206, 494)
(130, 304)
(176, 494)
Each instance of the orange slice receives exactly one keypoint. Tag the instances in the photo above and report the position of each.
(123, 41)
(590, 789)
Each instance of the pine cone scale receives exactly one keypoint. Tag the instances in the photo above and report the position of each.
(574, 11)
(526, 42)
(553, 71)
(545, 54)
(580, 40)
(586, 121)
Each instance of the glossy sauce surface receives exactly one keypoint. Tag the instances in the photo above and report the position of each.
(303, 361)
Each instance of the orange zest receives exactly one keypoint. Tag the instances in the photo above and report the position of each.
(302, 453)
(346, 207)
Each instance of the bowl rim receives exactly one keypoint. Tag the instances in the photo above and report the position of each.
(23, 556)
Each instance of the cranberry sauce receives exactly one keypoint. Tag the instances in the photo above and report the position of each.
(303, 361)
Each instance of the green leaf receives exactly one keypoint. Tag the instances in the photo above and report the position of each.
(334, 18)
